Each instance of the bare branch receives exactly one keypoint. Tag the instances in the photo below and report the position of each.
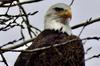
(88, 50)
(19, 45)
(3, 2)
(47, 47)
(11, 42)
(26, 2)
(74, 27)
(4, 60)
(94, 56)
(82, 24)
(20, 15)
(71, 3)
(26, 20)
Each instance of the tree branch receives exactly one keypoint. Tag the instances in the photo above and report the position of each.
(71, 3)
(20, 15)
(4, 60)
(19, 45)
(47, 47)
(74, 27)
(85, 23)
(94, 56)
(26, 2)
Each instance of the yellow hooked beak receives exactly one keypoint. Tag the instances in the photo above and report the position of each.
(65, 14)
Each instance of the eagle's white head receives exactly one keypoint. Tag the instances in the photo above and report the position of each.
(58, 17)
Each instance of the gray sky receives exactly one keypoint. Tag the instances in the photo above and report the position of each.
(82, 11)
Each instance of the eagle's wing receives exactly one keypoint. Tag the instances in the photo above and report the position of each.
(71, 54)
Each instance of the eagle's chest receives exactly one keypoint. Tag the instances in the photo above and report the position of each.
(51, 39)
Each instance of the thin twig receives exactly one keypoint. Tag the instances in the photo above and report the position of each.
(26, 2)
(82, 24)
(29, 14)
(95, 56)
(88, 50)
(71, 3)
(3, 58)
(8, 8)
(26, 20)
(11, 42)
(20, 44)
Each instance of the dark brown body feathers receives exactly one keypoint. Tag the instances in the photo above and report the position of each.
(71, 54)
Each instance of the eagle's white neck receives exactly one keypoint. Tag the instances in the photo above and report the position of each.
(55, 24)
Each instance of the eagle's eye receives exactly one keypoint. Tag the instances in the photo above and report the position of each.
(58, 9)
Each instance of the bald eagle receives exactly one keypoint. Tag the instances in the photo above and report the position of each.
(56, 31)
